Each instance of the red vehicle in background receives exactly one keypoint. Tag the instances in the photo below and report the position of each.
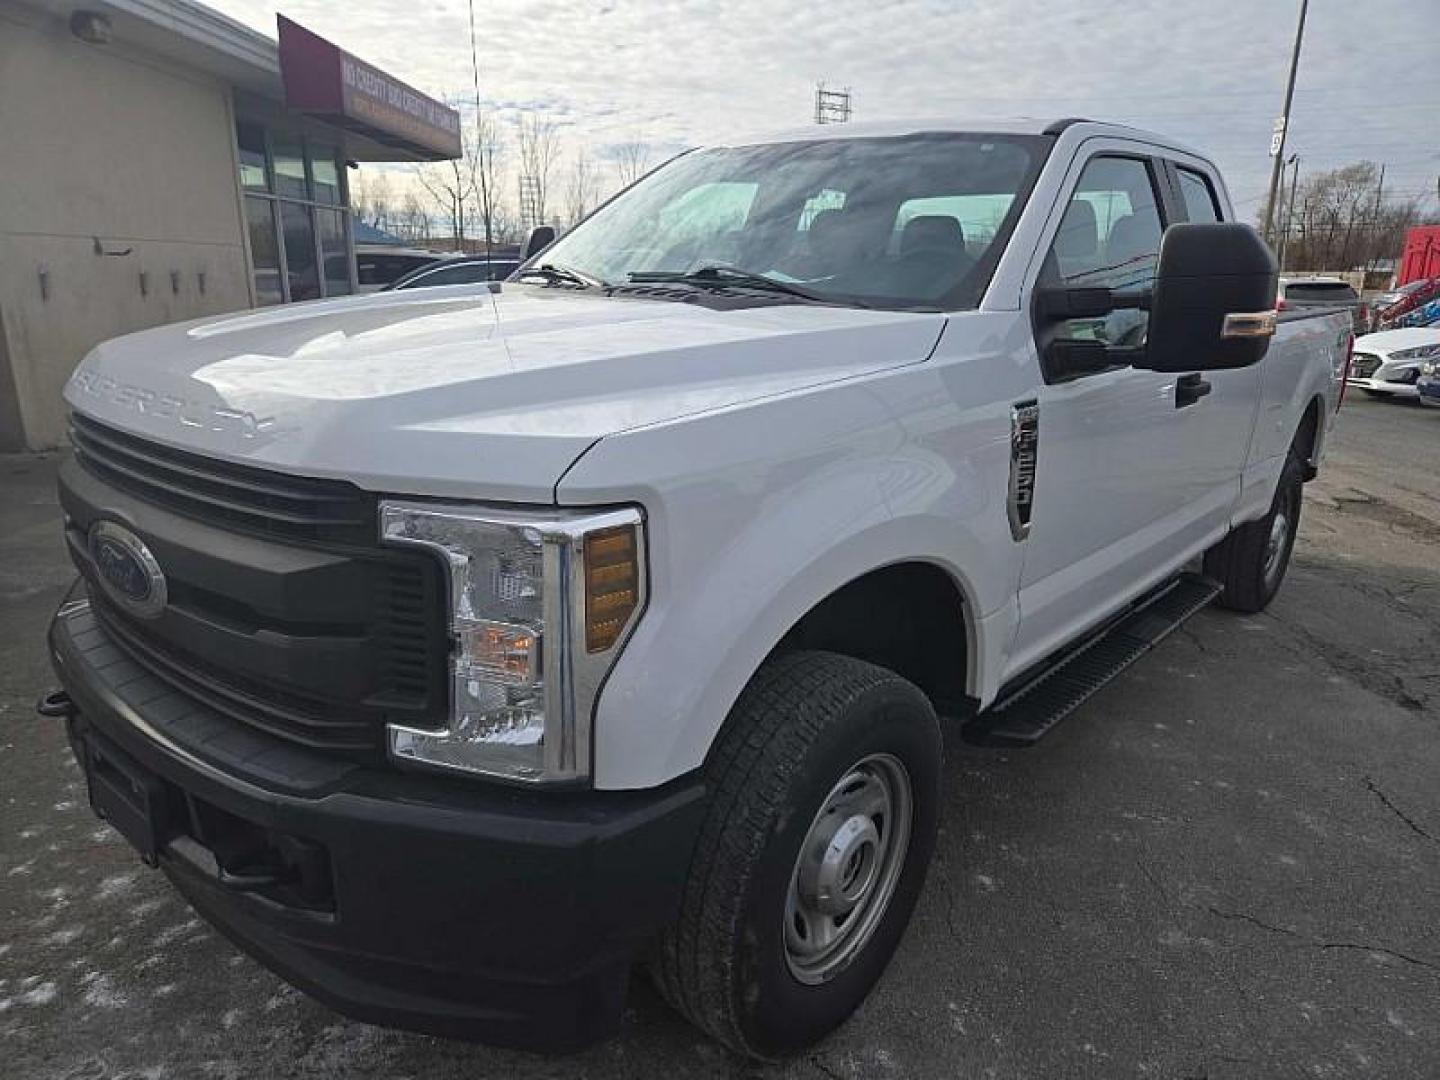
(1421, 259)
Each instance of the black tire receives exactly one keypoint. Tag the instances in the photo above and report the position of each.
(805, 720)
(1242, 562)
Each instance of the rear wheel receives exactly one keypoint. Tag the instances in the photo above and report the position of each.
(824, 794)
(1251, 562)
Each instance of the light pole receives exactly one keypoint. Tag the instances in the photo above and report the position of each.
(1284, 122)
(1289, 209)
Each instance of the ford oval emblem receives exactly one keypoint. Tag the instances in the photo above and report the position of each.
(127, 570)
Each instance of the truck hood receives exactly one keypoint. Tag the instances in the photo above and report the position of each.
(463, 392)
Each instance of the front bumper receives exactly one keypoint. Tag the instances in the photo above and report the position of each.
(1380, 386)
(448, 907)
(1429, 389)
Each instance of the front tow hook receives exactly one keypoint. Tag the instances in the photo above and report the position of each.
(56, 703)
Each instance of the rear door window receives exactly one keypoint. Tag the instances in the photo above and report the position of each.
(1198, 196)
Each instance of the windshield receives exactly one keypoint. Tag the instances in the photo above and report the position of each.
(917, 221)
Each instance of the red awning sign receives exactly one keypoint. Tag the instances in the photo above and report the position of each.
(326, 81)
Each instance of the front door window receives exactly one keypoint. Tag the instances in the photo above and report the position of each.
(1109, 238)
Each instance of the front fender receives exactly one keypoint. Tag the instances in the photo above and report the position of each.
(755, 516)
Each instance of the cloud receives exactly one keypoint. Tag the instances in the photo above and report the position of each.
(681, 72)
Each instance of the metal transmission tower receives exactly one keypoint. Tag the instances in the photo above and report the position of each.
(831, 106)
(529, 203)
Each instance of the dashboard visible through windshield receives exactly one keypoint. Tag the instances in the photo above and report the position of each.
(905, 222)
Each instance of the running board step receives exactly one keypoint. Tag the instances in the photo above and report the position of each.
(1030, 709)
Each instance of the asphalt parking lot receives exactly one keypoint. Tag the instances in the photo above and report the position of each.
(1226, 865)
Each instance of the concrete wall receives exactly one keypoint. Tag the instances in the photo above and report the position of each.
(113, 165)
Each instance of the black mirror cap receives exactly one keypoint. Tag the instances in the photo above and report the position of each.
(541, 237)
(1207, 273)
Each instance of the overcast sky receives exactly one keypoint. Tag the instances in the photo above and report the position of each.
(682, 72)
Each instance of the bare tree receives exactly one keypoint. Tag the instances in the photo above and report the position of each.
(1340, 220)
(632, 160)
(539, 147)
(489, 150)
(410, 221)
(506, 223)
(452, 185)
(580, 187)
(371, 200)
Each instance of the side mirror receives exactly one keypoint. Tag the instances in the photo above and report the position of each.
(1213, 305)
(541, 237)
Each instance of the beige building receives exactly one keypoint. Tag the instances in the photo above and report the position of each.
(159, 162)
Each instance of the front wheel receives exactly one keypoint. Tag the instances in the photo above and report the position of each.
(1251, 562)
(824, 796)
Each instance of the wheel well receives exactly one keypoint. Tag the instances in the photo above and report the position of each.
(909, 617)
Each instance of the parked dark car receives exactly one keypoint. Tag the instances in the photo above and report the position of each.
(1429, 384)
(378, 266)
(461, 270)
(1324, 292)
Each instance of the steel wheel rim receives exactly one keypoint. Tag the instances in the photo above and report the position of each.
(848, 867)
(1277, 541)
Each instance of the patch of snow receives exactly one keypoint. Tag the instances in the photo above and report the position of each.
(43, 994)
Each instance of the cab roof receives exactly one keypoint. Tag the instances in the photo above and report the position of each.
(875, 129)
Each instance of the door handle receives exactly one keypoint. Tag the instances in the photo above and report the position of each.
(1189, 389)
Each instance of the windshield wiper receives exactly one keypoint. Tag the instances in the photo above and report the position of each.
(553, 273)
(722, 277)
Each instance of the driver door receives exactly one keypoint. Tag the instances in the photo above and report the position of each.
(1132, 477)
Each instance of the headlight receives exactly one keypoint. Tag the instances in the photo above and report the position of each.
(1430, 367)
(540, 604)
(1424, 352)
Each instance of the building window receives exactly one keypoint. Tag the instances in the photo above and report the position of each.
(254, 173)
(302, 272)
(264, 250)
(290, 169)
(334, 254)
(296, 218)
(325, 176)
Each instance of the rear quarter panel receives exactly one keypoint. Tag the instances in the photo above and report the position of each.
(1305, 363)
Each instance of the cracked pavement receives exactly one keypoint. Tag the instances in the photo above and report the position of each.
(1224, 865)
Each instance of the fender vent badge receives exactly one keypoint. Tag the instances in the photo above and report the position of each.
(1024, 452)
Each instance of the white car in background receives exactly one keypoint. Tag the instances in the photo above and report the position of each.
(1389, 362)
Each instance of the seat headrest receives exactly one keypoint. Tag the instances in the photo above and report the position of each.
(1079, 237)
(932, 232)
(1131, 240)
(823, 223)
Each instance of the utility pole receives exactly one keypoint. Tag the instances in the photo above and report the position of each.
(1289, 209)
(1277, 146)
(1374, 238)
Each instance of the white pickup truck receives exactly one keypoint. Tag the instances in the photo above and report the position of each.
(454, 651)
